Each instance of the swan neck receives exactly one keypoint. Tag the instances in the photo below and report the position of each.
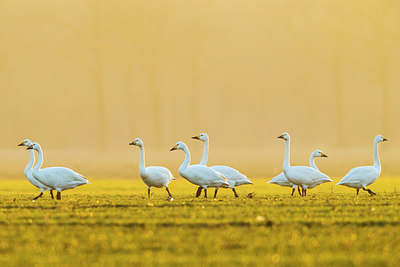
(377, 163)
(204, 158)
(142, 160)
(40, 160)
(186, 162)
(312, 163)
(31, 160)
(286, 161)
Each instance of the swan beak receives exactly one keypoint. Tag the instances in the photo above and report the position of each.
(22, 144)
(132, 143)
(281, 136)
(384, 139)
(29, 147)
(196, 137)
(174, 148)
(324, 155)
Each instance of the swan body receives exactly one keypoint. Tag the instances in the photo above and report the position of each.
(28, 171)
(200, 175)
(303, 176)
(58, 178)
(283, 181)
(361, 177)
(234, 177)
(154, 175)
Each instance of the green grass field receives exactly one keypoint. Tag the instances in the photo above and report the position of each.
(111, 223)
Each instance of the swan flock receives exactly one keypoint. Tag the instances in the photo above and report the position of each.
(218, 176)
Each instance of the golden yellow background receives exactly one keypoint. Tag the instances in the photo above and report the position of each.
(84, 78)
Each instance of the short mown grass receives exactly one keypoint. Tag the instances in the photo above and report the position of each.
(112, 222)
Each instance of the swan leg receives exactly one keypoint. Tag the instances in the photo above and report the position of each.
(358, 190)
(58, 195)
(215, 192)
(148, 192)
(234, 191)
(205, 192)
(169, 193)
(51, 194)
(40, 195)
(198, 193)
(294, 189)
(369, 191)
(305, 192)
(298, 188)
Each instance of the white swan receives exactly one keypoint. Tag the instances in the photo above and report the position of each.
(283, 181)
(235, 178)
(199, 174)
(59, 178)
(361, 177)
(152, 176)
(303, 176)
(28, 172)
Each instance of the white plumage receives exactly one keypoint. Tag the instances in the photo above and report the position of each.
(234, 177)
(28, 172)
(283, 181)
(58, 178)
(155, 176)
(303, 176)
(199, 174)
(361, 177)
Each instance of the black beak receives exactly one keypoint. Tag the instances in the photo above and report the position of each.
(281, 136)
(22, 144)
(131, 143)
(384, 139)
(29, 148)
(196, 137)
(172, 149)
(324, 156)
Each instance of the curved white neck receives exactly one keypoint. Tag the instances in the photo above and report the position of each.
(377, 163)
(31, 161)
(286, 161)
(205, 154)
(40, 160)
(142, 160)
(186, 162)
(312, 163)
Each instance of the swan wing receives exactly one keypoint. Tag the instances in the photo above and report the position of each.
(158, 176)
(233, 176)
(360, 177)
(204, 176)
(304, 175)
(281, 180)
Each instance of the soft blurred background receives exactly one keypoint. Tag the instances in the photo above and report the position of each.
(84, 78)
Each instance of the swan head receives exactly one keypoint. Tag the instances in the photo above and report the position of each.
(319, 153)
(26, 142)
(284, 136)
(178, 146)
(202, 137)
(136, 142)
(34, 146)
(380, 138)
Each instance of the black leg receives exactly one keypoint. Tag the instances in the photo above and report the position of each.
(169, 193)
(234, 191)
(358, 190)
(148, 192)
(305, 192)
(198, 193)
(58, 195)
(51, 194)
(294, 189)
(205, 192)
(298, 188)
(369, 191)
(40, 195)
(215, 192)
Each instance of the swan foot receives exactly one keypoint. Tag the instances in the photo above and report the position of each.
(40, 195)
(369, 191)
(58, 195)
(205, 192)
(198, 193)
(51, 194)
(169, 193)
(234, 191)
(215, 192)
